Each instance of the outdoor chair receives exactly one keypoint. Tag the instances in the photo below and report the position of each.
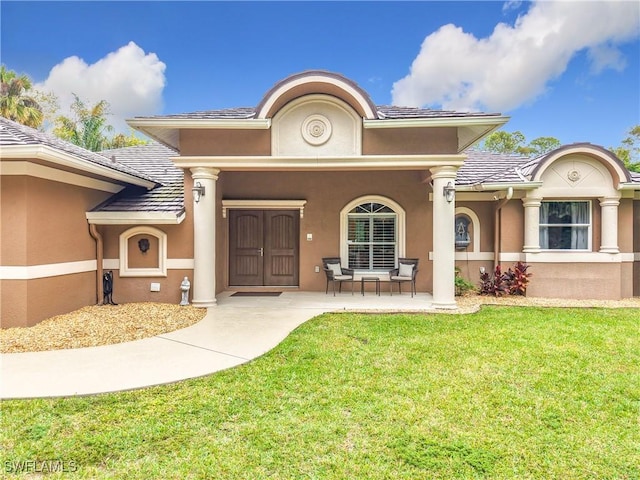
(336, 273)
(407, 271)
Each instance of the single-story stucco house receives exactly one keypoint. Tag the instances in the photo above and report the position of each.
(252, 198)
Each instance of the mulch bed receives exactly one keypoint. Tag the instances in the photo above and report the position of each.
(100, 325)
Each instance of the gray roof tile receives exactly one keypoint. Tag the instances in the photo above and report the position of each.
(12, 133)
(385, 112)
(155, 160)
(488, 167)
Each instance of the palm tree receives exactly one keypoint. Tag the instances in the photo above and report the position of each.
(88, 126)
(15, 103)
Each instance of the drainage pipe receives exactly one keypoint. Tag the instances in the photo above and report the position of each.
(497, 230)
(93, 230)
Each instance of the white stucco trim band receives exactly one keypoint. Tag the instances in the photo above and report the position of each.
(289, 163)
(567, 257)
(31, 272)
(171, 263)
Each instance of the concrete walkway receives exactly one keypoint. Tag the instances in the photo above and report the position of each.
(236, 331)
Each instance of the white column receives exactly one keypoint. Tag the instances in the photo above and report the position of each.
(204, 238)
(531, 224)
(444, 259)
(609, 225)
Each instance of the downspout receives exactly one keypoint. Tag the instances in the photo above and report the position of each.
(93, 230)
(496, 227)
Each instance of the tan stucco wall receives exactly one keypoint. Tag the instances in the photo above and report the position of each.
(27, 302)
(53, 214)
(327, 194)
(412, 141)
(47, 225)
(600, 281)
(138, 289)
(636, 247)
(225, 142)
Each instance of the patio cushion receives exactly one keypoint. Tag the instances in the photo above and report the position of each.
(335, 268)
(342, 277)
(400, 277)
(406, 270)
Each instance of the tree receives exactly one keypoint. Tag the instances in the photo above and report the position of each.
(15, 102)
(121, 140)
(629, 151)
(515, 142)
(87, 127)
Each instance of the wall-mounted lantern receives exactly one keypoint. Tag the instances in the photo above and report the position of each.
(449, 192)
(198, 191)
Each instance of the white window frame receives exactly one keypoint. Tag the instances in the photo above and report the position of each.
(588, 225)
(161, 270)
(400, 227)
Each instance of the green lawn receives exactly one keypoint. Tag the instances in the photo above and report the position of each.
(508, 392)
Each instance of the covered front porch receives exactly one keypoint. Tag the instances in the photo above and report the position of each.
(342, 302)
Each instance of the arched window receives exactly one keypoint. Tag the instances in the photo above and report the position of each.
(372, 234)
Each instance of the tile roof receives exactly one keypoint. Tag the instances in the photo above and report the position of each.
(155, 160)
(385, 112)
(12, 133)
(488, 167)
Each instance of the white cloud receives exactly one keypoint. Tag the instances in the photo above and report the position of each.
(129, 79)
(456, 70)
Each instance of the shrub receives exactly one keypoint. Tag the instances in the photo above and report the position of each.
(512, 282)
(462, 285)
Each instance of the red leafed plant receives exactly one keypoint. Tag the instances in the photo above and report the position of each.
(513, 282)
(518, 279)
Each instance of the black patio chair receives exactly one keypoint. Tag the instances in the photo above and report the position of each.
(336, 273)
(406, 272)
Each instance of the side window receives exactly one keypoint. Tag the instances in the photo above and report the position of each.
(565, 225)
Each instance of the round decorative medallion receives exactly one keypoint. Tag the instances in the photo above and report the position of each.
(573, 175)
(316, 129)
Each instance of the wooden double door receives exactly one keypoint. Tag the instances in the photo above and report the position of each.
(264, 247)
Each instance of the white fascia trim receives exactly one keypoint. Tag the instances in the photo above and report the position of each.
(44, 152)
(40, 171)
(202, 123)
(636, 257)
(483, 187)
(436, 122)
(134, 218)
(31, 272)
(360, 162)
(172, 264)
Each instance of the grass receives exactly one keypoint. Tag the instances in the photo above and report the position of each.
(508, 392)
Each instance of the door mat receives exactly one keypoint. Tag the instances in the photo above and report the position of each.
(256, 294)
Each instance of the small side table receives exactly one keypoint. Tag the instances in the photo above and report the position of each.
(363, 280)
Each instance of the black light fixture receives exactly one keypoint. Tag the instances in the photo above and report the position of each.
(144, 245)
(198, 191)
(449, 192)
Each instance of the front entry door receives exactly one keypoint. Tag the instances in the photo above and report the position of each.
(263, 247)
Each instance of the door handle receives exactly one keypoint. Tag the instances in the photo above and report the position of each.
(262, 252)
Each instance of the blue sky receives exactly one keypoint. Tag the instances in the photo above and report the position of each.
(569, 70)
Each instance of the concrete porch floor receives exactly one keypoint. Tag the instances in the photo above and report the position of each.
(294, 299)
